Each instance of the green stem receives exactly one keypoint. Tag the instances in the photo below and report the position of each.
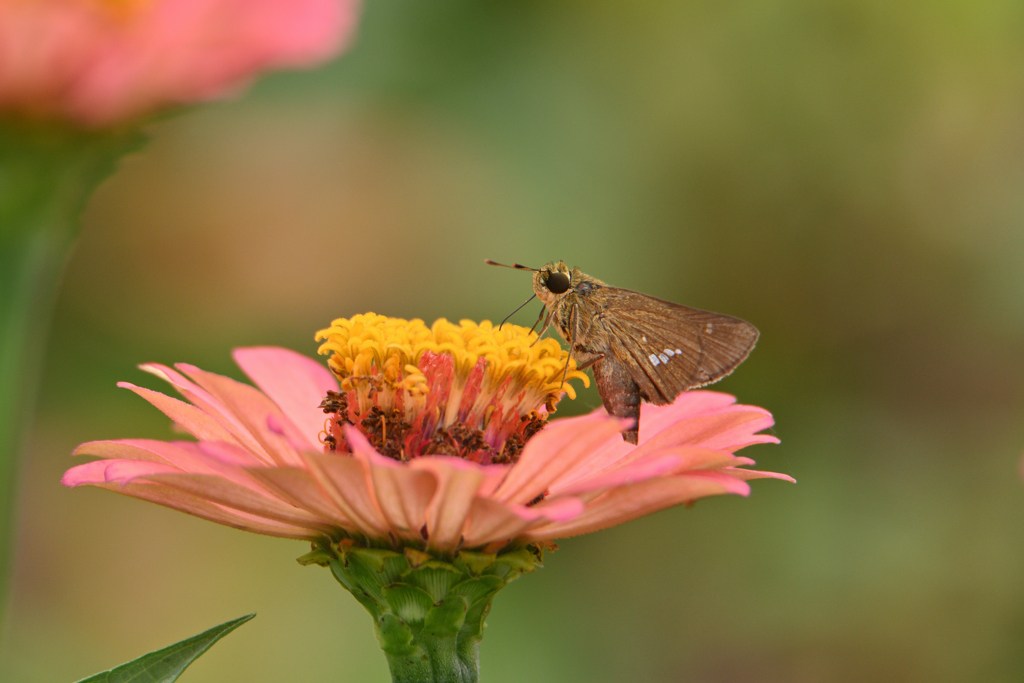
(29, 271)
(46, 176)
(438, 660)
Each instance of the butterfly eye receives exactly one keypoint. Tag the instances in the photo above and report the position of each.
(557, 283)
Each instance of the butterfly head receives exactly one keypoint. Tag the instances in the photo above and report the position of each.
(552, 281)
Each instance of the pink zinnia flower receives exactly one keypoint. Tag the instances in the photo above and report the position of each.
(98, 62)
(431, 438)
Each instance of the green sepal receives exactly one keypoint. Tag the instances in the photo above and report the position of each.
(318, 556)
(417, 557)
(479, 588)
(435, 578)
(446, 619)
(475, 622)
(522, 561)
(395, 637)
(474, 562)
(371, 604)
(381, 567)
(366, 568)
(374, 558)
(410, 603)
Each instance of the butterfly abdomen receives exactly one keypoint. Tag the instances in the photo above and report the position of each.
(619, 393)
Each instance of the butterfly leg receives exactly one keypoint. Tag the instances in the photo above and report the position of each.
(620, 394)
(547, 324)
(584, 358)
(574, 323)
(539, 318)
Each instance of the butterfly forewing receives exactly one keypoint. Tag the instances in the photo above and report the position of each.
(668, 348)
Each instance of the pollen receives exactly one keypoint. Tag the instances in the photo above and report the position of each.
(471, 389)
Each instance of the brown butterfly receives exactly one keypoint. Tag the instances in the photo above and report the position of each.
(640, 347)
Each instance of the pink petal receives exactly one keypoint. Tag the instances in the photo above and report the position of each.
(297, 384)
(749, 475)
(457, 484)
(636, 500)
(491, 521)
(228, 454)
(290, 434)
(130, 449)
(251, 408)
(199, 507)
(705, 418)
(744, 435)
(182, 454)
(640, 470)
(687, 404)
(221, 459)
(202, 399)
(191, 419)
(692, 458)
(299, 488)
(728, 429)
(555, 451)
(685, 457)
(113, 472)
(347, 483)
(227, 485)
(225, 493)
(99, 65)
(401, 492)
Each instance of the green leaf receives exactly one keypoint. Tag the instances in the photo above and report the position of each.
(164, 666)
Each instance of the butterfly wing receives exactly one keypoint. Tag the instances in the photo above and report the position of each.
(668, 348)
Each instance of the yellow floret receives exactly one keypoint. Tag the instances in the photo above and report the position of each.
(391, 348)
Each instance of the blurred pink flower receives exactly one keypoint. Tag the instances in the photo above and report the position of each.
(266, 462)
(98, 62)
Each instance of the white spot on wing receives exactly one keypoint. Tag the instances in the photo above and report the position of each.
(644, 337)
(654, 360)
(679, 350)
(663, 357)
(708, 328)
(669, 352)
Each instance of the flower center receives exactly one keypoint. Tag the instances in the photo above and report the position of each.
(470, 390)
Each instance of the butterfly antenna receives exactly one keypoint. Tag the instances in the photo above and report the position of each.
(517, 310)
(517, 266)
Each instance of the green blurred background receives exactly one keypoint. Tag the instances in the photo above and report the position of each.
(846, 174)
